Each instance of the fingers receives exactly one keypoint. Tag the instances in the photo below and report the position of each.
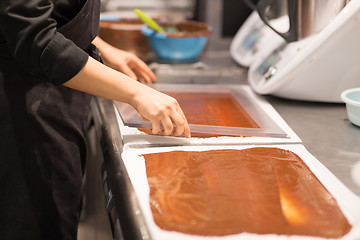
(165, 122)
(162, 111)
(155, 127)
(143, 71)
(142, 77)
(179, 121)
(173, 124)
(137, 74)
(187, 132)
(184, 123)
(127, 70)
(129, 64)
(141, 68)
(168, 125)
(138, 71)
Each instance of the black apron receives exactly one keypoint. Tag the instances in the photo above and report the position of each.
(42, 145)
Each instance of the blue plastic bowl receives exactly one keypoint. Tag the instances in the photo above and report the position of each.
(169, 46)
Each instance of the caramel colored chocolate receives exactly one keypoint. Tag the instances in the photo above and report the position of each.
(215, 109)
(256, 190)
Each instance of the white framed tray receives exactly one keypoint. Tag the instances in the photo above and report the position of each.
(348, 202)
(271, 128)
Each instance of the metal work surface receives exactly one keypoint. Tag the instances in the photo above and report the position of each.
(327, 134)
(324, 129)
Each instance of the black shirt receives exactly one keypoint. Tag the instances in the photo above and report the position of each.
(28, 28)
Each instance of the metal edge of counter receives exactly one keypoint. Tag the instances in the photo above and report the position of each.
(129, 215)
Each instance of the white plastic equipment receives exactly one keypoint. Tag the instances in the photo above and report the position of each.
(317, 68)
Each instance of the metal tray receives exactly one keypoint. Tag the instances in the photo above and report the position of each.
(267, 127)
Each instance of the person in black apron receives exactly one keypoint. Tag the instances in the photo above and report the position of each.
(44, 55)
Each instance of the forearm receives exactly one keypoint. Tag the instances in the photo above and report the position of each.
(160, 109)
(99, 80)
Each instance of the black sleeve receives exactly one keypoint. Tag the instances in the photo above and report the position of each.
(32, 38)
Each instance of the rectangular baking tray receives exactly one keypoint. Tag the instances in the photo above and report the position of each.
(348, 202)
(272, 128)
(267, 126)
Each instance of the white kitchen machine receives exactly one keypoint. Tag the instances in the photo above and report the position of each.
(317, 55)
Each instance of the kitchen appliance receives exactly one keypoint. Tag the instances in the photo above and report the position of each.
(250, 42)
(253, 37)
(319, 55)
(304, 17)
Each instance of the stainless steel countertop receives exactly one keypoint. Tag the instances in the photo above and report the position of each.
(326, 133)
(323, 127)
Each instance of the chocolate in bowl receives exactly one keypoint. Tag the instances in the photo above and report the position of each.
(187, 29)
(125, 34)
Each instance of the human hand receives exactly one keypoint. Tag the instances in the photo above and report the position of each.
(125, 62)
(130, 65)
(161, 109)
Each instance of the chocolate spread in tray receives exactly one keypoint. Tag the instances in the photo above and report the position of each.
(215, 109)
(256, 190)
